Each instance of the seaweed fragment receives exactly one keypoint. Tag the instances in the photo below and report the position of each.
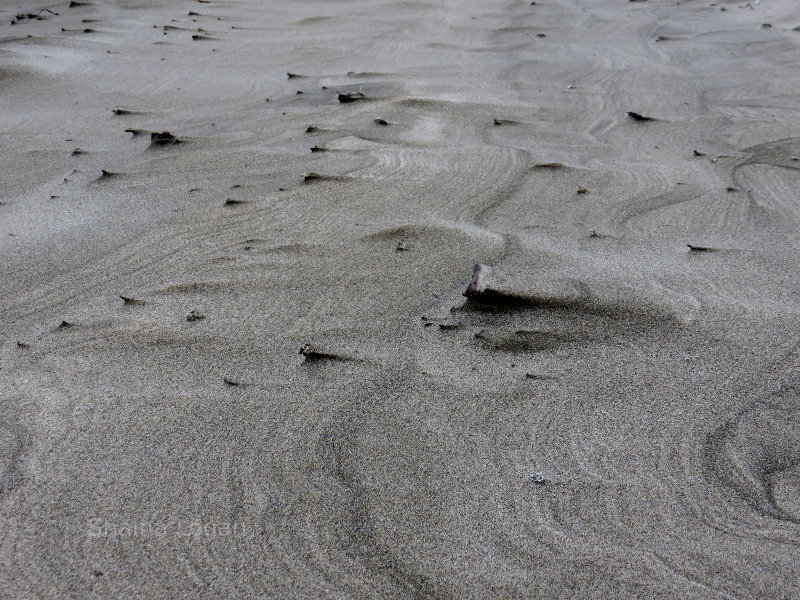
(346, 97)
(163, 138)
(195, 316)
(700, 249)
(128, 301)
(312, 354)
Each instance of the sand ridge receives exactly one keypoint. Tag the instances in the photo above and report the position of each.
(237, 360)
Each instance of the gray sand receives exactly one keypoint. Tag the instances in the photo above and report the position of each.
(615, 415)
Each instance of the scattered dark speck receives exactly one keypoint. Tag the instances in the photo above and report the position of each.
(693, 248)
(163, 138)
(312, 177)
(637, 117)
(312, 354)
(351, 97)
(127, 301)
(537, 377)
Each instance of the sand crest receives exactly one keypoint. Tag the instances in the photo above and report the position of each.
(245, 352)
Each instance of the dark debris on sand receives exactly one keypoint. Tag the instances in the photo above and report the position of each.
(313, 177)
(351, 97)
(163, 138)
(637, 117)
(33, 16)
(312, 354)
(700, 249)
(128, 301)
(195, 316)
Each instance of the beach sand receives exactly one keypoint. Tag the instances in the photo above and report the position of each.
(234, 367)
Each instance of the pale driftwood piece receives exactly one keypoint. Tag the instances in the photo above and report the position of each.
(477, 285)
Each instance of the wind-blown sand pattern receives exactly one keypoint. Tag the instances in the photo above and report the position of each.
(234, 367)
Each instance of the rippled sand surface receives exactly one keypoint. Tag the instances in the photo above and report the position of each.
(234, 367)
